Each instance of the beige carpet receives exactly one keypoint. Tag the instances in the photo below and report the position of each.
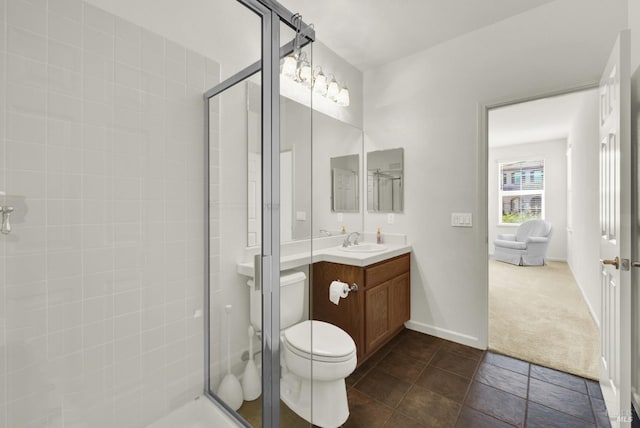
(537, 314)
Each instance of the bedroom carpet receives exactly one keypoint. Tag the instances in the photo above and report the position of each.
(538, 314)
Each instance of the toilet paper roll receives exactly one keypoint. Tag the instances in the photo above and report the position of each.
(338, 290)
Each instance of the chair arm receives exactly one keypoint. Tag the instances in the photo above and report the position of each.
(506, 237)
(537, 239)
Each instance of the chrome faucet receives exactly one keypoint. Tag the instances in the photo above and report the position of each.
(347, 241)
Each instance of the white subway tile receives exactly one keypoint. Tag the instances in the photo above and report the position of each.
(175, 331)
(152, 317)
(63, 317)
(71, 9)
(63, 133)
(126, 348)
(97, 334)
(152, 339)
(98, 66)
(98, 89)
(61, 238)
(128, 52)
(65, 56)
(65, 30)
(64, 186)
(126, 302)
(98, 43)
(65, 81)
(98, 19)
(26, 128)
(27, 240)
(25, 71)
(126, 280)
(26, 16)
(98, 260)
(25, 156)
(64, 264)
(26, 99)
(152, 53)
(63, 107)
(98, 284)
(64, 290)
(65, 342)
(126, 75)
(127, 98)
(31, 184)
(99, 114)
(26, 353)
(62, 212)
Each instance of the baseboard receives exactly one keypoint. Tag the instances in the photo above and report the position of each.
(555, 259)
(584, 297)
(443, 333)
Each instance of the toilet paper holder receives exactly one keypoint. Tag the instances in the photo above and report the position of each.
(352, 287)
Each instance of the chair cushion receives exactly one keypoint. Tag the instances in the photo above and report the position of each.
(510, 244)
(532, 228)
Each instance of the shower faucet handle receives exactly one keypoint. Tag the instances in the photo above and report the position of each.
(6, 225)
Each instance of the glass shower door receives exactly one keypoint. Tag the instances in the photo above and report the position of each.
(254, 185)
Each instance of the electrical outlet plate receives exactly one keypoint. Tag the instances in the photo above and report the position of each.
(391, 218)
(340, 217)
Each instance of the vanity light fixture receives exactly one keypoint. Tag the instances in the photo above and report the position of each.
(296, 66)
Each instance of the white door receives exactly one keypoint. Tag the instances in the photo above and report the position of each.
(615, 232)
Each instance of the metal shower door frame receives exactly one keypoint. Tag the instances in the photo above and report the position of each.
(271, 13)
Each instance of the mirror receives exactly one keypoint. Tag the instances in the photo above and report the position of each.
(305, 160)
(385, 181)
(345, 171)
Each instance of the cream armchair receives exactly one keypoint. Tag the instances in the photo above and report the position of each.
(527, 247)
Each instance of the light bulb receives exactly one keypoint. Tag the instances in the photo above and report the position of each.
(320, 83)
(343, 97)
(304, 73)
(289, 66)
(333, 90)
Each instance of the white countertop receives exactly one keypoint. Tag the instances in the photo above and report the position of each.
(327, 249)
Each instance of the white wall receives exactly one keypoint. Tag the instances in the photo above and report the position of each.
(429, 104)
(555, 192)
(583, 250)
(634, 25)
(102, 273)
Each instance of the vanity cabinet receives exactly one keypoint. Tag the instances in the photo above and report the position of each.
(376, 312)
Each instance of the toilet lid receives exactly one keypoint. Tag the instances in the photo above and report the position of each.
(326, 339)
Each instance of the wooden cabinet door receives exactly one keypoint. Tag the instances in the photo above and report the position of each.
(399, 301)
(377, 325)
(348, 313)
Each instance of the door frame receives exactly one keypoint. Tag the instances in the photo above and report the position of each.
(482, 245)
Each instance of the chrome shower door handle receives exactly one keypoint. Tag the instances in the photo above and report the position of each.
(6, 225)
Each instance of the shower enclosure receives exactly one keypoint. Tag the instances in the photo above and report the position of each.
(111, 222)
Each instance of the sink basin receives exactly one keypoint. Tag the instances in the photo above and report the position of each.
(363, 248)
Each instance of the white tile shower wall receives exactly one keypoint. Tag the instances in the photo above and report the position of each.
(102, 274)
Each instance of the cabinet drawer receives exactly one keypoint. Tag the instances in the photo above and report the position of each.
(384, 271)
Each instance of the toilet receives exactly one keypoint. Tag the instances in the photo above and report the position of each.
(316, 356)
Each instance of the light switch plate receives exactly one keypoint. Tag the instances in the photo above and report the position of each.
(391, 218)
(340, 217)
(461, 220)
(301, 215)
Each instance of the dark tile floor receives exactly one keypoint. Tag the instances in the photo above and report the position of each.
(422, 381)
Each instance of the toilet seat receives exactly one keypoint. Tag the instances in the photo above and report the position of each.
(319, 341)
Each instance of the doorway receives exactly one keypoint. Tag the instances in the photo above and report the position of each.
(543, 302)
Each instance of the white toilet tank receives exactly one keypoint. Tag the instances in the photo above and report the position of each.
(291, 300)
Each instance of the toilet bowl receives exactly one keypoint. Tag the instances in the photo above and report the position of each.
(318, 356)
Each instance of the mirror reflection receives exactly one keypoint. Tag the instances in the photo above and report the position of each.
(385, 178)
(333, 144)
(345, 171)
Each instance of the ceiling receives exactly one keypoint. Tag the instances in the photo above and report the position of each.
(539, 120)
(369, 33)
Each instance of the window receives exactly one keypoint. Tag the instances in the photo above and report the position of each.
(521, 191)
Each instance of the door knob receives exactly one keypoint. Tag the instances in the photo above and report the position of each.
(615, 262)
(635, 264)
